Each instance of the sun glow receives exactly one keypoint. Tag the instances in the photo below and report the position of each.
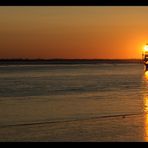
(146, 48)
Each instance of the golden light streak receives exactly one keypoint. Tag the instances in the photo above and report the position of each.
(146, 75)
(146, 118)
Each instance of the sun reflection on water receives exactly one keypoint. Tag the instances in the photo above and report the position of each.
(146, 117)
(146, 106)
(146, 75)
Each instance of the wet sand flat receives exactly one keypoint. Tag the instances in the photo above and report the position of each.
(111, 129)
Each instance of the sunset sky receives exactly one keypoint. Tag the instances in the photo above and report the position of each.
(114, 32)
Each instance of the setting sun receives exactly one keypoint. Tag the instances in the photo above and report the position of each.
(146, 48)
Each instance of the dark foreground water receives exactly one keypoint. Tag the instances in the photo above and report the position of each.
(73, 102)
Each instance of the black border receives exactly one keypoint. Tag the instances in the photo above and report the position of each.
(73, 3)
(67, 144)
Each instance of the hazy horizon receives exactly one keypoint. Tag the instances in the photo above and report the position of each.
(65, 59)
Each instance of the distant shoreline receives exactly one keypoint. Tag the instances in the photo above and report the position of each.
(67, 61)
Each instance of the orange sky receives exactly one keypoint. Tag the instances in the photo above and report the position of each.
(73, 31)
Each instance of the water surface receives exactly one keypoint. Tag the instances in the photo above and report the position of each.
(59, 93)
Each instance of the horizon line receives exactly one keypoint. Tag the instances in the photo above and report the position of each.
(70, 59)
